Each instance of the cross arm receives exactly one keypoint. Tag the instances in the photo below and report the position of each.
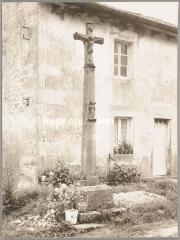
(79, 36)
(83, 37)
(99, 40)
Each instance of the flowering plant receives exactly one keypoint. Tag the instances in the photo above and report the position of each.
(76, 173)
(69, 196)
(123, 148)
(61, 175)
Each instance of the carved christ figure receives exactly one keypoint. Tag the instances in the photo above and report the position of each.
(89, 51)
(88, 41)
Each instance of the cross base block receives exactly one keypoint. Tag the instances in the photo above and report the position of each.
(92, 181)
(98, 197)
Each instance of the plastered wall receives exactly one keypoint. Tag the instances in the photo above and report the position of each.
(48, 70)
(149, 93)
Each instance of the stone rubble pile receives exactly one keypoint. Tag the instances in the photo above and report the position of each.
(131, 199)
(48, 220)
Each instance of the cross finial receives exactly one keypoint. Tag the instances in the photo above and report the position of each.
(89, 28)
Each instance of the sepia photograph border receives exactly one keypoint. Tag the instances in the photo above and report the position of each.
(178, 120)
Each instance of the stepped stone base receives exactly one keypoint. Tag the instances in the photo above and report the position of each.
(89, 226)
(99, 196)
(89, 217)
(92, 181)
(119, 211)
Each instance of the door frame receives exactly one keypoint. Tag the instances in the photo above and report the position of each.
(168, 145)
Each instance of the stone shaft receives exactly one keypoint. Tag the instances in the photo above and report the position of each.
(88, 152)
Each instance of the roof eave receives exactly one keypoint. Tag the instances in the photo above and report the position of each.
(141, 19)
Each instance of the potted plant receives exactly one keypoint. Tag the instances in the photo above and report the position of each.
(82, 203)
(125, 145)
(71, 216)
(71, 196)
(130, 149)
(68, 197)
(121, 149)
(125, 151)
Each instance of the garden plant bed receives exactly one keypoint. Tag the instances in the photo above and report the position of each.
(35, 219)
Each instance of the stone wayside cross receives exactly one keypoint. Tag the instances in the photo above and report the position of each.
(88, 153)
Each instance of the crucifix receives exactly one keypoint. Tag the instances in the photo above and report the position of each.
(88, 152)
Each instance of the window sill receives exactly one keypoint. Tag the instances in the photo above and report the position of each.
(123, 157)
(123, 154)
(122, 80)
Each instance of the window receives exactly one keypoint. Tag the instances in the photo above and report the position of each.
(123, 130)
(121, 59)
(160, 121)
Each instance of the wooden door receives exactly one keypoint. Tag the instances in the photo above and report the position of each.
(159, 147)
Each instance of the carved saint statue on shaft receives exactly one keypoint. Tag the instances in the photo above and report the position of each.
(91, 111)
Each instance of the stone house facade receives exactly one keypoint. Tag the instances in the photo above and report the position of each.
(136, 93)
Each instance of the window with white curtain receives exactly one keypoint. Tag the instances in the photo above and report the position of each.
(123, 130)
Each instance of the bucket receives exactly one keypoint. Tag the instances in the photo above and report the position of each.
(71, 215)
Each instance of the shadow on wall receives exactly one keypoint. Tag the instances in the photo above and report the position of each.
(10, 167)
(174, 165)
(19, 171)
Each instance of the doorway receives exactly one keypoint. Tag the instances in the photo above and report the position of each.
(160, 147)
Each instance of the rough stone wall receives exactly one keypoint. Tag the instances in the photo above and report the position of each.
(20, 148)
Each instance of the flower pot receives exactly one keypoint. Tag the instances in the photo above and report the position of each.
(115, 151)
(71, 215)
(43, 178)
(120, 150)
(125, 151)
